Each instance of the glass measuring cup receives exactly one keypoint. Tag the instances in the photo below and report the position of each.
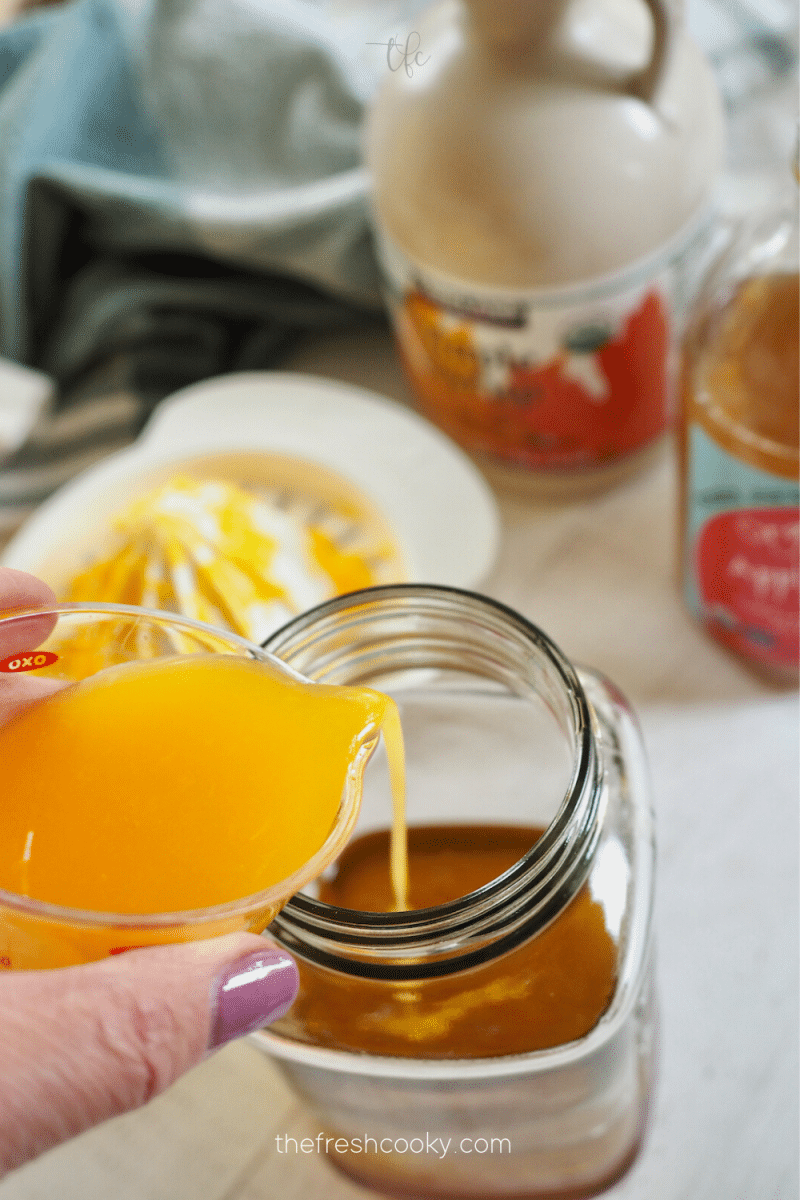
(45, 650)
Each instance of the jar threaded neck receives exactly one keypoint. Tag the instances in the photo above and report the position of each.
(370, 636)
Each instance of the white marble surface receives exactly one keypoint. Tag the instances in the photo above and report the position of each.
(598, 575)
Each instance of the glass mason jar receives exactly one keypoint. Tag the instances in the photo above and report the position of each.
(500, 729)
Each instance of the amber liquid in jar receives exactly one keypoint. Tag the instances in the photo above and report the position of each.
(741, 406)
(549, 991)
(745, 388)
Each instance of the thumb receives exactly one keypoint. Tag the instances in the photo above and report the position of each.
(82, 1044)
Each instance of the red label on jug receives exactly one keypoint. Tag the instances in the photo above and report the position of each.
(27, 660)
(563, 379)
(747, 574)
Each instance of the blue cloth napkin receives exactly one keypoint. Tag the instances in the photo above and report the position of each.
(181, 192)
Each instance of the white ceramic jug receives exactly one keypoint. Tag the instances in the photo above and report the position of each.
(538, 174)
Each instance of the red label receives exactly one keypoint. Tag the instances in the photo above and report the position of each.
(598, 393)
(747, 573)
(575, 428)
(28, 660)
(125, 949)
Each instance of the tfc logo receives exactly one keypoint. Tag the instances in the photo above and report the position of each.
(28, 660)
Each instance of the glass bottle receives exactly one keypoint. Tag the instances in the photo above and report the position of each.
(564, 754)
(740, 464)
(540, 174)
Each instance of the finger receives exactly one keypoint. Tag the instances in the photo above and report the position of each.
(86, 1043)
(20, 591)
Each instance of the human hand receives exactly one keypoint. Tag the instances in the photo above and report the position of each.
(81, 1044)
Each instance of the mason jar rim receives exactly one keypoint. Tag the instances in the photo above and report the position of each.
(504, 913)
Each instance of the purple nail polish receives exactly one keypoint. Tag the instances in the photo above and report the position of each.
(251, 993)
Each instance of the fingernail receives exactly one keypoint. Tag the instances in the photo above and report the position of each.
(251, 993)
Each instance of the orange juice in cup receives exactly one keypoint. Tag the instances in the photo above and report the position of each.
(163, 781)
